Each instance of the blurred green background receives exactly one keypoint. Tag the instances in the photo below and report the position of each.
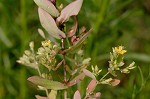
(114, 22)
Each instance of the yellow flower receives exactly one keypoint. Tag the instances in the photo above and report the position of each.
(120, 50)
(46, 43)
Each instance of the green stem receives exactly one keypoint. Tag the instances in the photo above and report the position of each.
(65, 77)
(65, 94)
(104, 76)
(68, 42)
(38, 69)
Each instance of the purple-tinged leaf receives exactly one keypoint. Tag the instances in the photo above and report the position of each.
(40, 97)
(115, 82)
(41, 33)
(90, 88)
(74, 39)
(77, 43)
(53, 1)
(89, 74)
(55, 85)
(98, 95)
(49, 24)
(73, 29)
(76, 79)
(83, 29)
(48, 6)
(70, 10)
(82, 39)
(77, 95)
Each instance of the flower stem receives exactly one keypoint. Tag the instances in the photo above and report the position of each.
(65, 94)
(41, 76)
(39, 71)
(104, 76)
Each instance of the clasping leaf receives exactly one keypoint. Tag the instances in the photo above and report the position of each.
(70, 10)
(49, 24)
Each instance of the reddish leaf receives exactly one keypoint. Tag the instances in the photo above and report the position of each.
(83, 29)
(53, 1)
(73, 29)
(70, 10)
(77, 43)
(77, 95)
(48, 6)
(97, 95)
(90, 88)
(49, 24)
(47, 83)
(74, 39)
(40, 97)
(76, 79)
(82, 39)
(89, 74)
(115, 82)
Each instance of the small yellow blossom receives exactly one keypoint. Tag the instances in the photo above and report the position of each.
(120, 50)
(46, 43)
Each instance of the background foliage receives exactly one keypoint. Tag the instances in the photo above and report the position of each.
(114, 22)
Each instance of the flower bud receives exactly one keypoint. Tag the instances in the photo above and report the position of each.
(31, 45)
(53, 1)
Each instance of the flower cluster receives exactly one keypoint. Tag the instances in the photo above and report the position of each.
(116, 62)
(28, 57)
(44, 56)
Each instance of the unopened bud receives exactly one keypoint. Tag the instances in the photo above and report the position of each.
(53, 1)
(31, 44)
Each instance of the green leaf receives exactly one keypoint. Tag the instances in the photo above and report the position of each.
(55, 85)
(70, 10)
(139, 57)
(48, 7)
(78, 43)
(49, 24)
(5, 39)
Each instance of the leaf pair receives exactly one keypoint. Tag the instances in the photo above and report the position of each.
(71, 10)
(47, 10)
(55, 85)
